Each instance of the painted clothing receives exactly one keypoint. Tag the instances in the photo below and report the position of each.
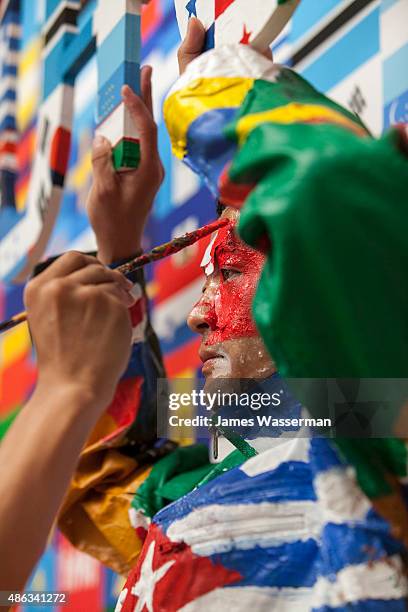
(288, 530)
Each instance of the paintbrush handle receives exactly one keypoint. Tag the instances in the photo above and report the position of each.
(13, 322)
(159, 252)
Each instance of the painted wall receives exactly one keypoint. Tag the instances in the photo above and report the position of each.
(356, 50)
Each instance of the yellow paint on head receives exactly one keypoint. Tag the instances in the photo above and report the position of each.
(183, 107)
(295, 113)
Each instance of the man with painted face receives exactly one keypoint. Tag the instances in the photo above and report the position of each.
(275, 527)
(231, 345)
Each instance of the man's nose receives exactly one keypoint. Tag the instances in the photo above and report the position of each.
(202, 317)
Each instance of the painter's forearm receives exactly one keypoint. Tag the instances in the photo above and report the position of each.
(35, 479)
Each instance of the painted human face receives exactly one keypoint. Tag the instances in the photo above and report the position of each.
(231, 346)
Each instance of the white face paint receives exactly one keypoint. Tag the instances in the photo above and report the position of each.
(222, 367)
(208, 261)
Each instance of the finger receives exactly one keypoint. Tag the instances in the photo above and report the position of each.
(97, 274)
(64, 265)
(146, 87)
(144, 123)
(103, 170)
(193, 44)
(118, 292)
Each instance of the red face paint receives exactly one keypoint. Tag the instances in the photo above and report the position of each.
(234, 274)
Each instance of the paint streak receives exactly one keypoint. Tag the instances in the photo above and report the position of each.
(230, 289)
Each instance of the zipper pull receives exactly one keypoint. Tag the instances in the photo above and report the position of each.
(215, 443)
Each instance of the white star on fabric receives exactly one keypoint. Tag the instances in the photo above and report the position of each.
(144, 588)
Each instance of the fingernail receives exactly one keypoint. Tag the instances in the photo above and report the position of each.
(128, 283)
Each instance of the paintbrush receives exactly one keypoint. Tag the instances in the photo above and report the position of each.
(159, 252)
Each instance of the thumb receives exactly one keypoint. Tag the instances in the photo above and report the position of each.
(103, 169)
(193, 44)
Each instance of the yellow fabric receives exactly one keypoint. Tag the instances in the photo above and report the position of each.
(295, 113)
(94, 516)
(183, 107)
(95, 513)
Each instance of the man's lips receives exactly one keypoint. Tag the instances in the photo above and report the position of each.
(211, 360)
(207, 354)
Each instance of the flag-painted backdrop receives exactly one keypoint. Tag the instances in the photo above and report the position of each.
(355, 50)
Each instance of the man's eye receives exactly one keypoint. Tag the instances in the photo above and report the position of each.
(228, 274)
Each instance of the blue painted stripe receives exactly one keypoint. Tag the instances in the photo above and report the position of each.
(323, 456)
(355, 48)
(356, 542)
(208, 149)
(289, 565)
(290, 481)
(109, 96)
(395, 74)
(122, 44)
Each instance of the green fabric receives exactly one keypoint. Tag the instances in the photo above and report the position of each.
(233, 460)
(173, 476)
(289, 88)
(179, 473)
(245, 449)
(184, 483)
(332, 300)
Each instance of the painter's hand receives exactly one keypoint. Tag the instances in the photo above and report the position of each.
(119, 203)
(193, 44)
(80, 324)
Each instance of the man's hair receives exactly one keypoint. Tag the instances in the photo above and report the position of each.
(220, 208)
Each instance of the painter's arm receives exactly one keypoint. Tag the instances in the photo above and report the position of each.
(78, 317)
